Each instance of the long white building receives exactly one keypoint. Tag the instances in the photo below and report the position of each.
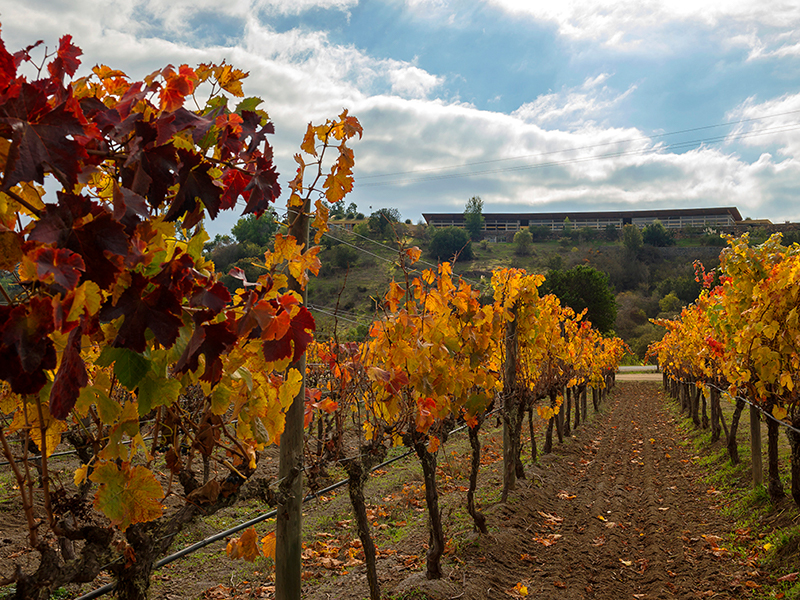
(671, 218)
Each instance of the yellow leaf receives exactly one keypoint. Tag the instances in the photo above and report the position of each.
(290, 388)
(86, 297)
(81, 473)
(779, 412)
(268, 545)
(127, 495)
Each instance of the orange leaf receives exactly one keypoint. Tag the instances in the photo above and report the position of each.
(245, 547)
(268, 545)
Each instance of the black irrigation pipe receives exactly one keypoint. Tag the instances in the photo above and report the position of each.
(5, 463)
(109, 587)
(236, 529)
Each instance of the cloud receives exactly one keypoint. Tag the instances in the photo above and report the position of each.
(634, 24)
(774, 122)
(573, 107)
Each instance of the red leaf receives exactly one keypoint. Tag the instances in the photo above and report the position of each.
(62, 264)
(26, 351)
(263, 188)
(297, 338)
(234, 182)
(42, 139)
(168, 125)
(8, 70)
(214, 298)
(211, 341)
(195, 184)
(177, 87)
(157, 311)
(70, 378)
(101, 242)
(66, 61)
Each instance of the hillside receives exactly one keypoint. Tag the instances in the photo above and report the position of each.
(651, 282)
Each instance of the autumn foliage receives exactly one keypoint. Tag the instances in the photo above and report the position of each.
(119, 320)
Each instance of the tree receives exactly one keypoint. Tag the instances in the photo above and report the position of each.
(539, 232)
(381, 222)
(255, 229)
(352, 211)
(449, 242)
(611, 232)
(583, 287)
(632, 238)
(522, 242)
(473, 218)
(655, 234)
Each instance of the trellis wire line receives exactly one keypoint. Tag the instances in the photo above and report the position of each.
(746, 401)
(336, 315)
(109, 587)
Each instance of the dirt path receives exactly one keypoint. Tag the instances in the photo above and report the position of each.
(617, 512)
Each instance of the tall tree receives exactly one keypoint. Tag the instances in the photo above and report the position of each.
(584, 287)
(381, 222)
(473, 217)
(655, 234)
(632, 238)
(257, 230)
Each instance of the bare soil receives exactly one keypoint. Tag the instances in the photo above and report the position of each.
(618, 511)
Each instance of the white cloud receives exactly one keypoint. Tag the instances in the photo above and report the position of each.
(635, 24)
(573, 107)
(774, 122)
(570, 158)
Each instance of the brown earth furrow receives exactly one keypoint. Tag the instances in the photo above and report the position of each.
(633, 520)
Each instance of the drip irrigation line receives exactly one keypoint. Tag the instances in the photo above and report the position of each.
(109, 587)
(746, 401)
(5, 463)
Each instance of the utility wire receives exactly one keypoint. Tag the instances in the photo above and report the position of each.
(642, 152)
(587, 147)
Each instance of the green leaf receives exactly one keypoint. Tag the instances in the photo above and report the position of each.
(157, 391)
(129, 366)
(107, 408)
(220, 398)
(127, 496)
(250, 104)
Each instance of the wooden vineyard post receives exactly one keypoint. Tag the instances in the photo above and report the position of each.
(288, 528)
(755, 447)
(511, 408)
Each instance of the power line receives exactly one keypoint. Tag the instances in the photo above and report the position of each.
(587, 147)
(652, 150)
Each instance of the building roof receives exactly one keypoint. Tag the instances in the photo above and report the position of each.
(599, 214)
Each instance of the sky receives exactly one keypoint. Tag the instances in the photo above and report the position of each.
(532, 105)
